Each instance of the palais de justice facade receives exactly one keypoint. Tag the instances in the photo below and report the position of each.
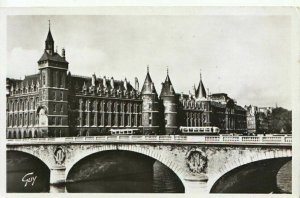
(55, 103)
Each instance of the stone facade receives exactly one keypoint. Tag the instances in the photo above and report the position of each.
(55, 103)
(258, 119)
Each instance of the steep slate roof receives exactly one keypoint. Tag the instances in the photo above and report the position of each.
(49, 36)
(28, 79)
(218, 104)
(55, 57)
(79, 81)
(167, 88)
(147, 88)
(200, 92)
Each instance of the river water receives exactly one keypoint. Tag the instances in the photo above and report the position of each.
(162, 180)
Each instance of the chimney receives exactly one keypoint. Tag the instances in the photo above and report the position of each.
(63, 53)
(94, 79)
(104, 81)
(112, 82)
(125, 84)
(136, 83)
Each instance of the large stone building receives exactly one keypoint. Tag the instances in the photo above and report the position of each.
(54, 103)
(258, 119)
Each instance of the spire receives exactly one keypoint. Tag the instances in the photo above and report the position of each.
(167, 87)
(49, 43)
(200, 75)
(148, 86)
(200, 92)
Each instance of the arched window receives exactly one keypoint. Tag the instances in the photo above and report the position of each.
(30, 134)
(20, 135)
(16, 120)
(15, 135)
(10, 120)
(21, 120)
(35, 134)
(9, 135)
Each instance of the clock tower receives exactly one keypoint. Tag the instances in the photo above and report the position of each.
(53, 108)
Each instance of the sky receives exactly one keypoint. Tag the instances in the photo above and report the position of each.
(247, 56)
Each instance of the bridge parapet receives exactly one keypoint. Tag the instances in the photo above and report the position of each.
(176, 139)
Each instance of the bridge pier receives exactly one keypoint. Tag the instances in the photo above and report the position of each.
(195, 187)
(57, 175)
(196, 183)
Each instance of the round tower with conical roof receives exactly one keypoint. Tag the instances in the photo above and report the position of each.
(168, 97)
(150, 107)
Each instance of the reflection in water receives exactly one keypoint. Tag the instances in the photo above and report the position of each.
(163, 180)
(256, 177)
(284, 178)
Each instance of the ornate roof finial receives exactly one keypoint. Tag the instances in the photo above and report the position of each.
(200, 75)
(147, 68)
(167, 70)
(49, 24)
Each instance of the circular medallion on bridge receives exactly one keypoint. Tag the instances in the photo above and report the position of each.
(59, 156)
(197, 161)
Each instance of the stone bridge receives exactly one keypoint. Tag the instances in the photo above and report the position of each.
(198, 161)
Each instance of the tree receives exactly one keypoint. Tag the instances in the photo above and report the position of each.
(281, 121)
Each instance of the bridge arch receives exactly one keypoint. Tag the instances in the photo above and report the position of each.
(244, 160)
(173, 166)
(43, 158)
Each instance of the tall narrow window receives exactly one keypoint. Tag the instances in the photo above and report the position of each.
(44, 79)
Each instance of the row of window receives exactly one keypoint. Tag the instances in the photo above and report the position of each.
(58, 79)
(109, 106)
(20, 134)
(193, 104)
(94, 119)
(110, 92)
(22, 119)
(58, 107)
(22, 105)
(56, 121)
(56, 97)
(24, 90)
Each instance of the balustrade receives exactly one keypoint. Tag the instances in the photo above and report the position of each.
(165, 138)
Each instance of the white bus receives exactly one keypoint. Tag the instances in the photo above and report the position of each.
(199, 130)
(124, 131)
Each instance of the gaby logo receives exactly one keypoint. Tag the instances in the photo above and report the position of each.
(29, 178)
